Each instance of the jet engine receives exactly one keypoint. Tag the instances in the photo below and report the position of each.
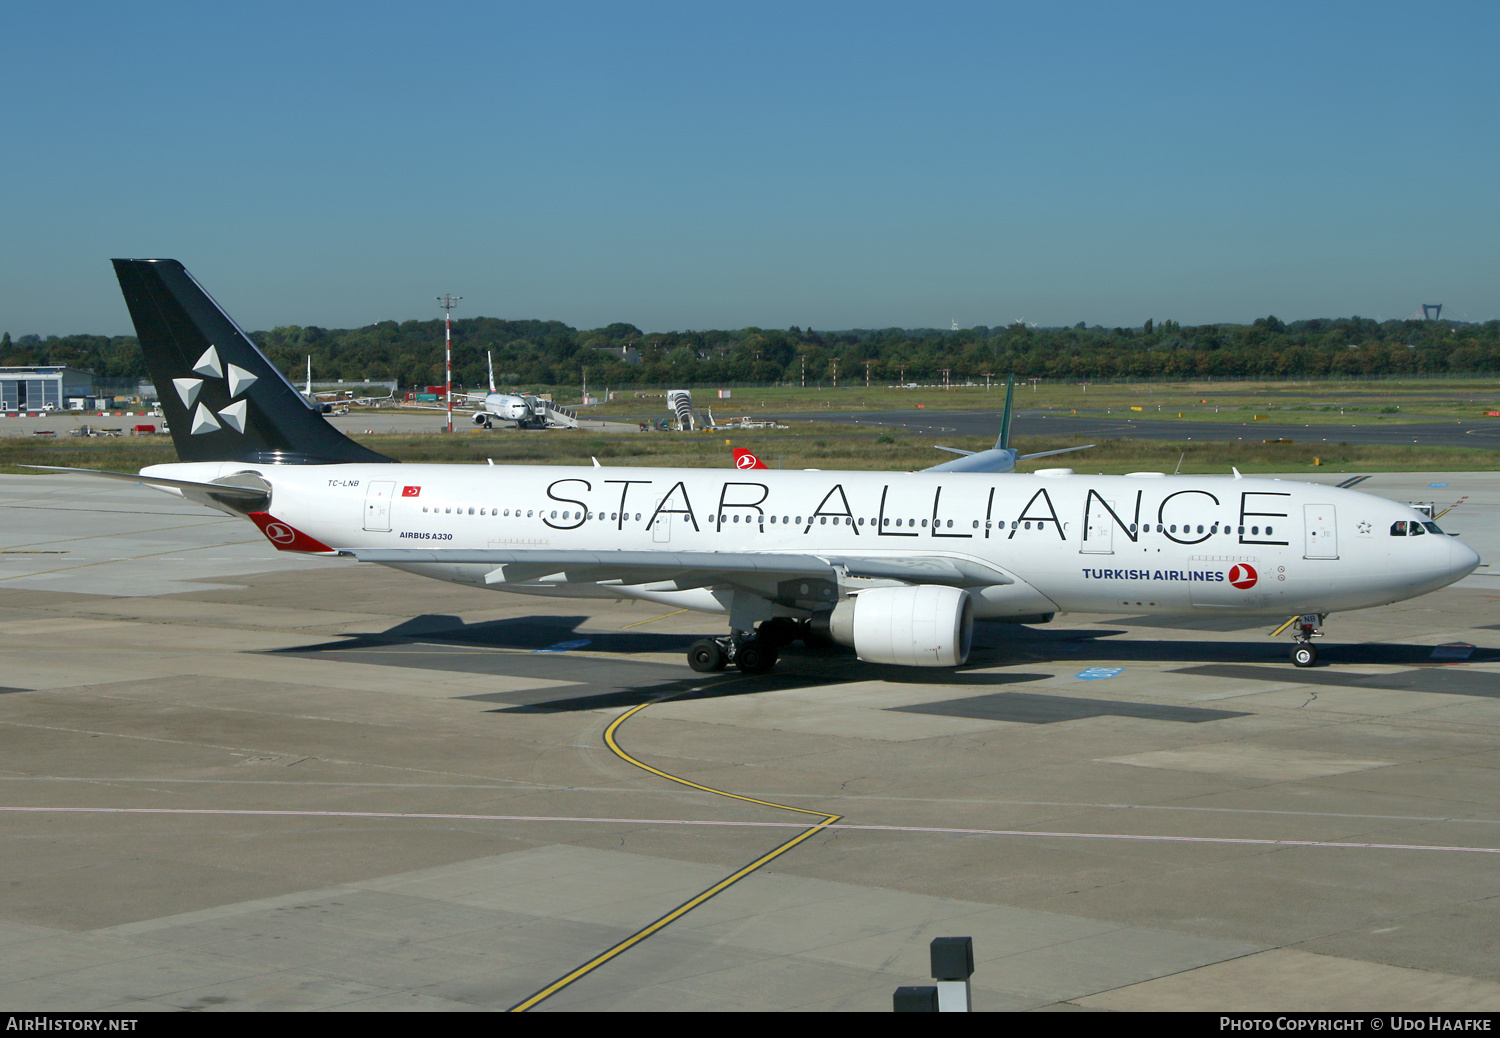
(926, 625)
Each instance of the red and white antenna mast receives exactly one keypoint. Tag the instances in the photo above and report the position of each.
(448, 302)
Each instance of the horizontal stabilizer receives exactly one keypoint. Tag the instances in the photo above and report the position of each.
(241, 493)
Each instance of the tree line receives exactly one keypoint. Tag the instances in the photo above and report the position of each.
(549, 353)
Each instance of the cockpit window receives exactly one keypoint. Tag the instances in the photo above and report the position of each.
(1414, 530)
(1398, 528)
(1432, 527)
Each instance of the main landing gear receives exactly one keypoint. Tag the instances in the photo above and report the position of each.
(1304, 652)
(752, 652)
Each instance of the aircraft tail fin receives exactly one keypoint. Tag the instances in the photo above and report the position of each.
(489, 359)
(1003, 443)
(223, 398)
(744, 459)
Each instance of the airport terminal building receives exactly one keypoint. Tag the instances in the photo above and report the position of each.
(34, 388)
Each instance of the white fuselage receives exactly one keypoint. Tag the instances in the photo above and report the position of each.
(1069, 543)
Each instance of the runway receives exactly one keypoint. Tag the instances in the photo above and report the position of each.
(236, 779)
(1483, 433)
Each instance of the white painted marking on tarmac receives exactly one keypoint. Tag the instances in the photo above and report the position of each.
(712, 823)
(504, 784)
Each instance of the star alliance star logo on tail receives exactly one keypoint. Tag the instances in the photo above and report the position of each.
(204, 420)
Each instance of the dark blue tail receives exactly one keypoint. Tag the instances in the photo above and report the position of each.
(223, 399)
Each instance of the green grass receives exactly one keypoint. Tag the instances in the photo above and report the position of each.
(1415, 398)
(821, 445)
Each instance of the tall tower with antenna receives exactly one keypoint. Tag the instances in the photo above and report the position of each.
(448, 302)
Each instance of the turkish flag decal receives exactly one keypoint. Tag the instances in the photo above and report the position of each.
(411, 491)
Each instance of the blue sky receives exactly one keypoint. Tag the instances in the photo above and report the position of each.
(711, 165)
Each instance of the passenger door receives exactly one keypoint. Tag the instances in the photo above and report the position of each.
(661, 526)
(378, 507)
(1319, 530)
(1099, 537)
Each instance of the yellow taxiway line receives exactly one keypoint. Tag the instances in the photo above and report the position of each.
(824, 820)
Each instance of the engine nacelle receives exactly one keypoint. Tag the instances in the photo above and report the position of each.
(480, 418)
(926, 625)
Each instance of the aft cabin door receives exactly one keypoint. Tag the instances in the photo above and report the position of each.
(1322, 539)
(378, 507)
(1099, 538)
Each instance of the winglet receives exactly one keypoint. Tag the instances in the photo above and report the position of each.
(1236, 472)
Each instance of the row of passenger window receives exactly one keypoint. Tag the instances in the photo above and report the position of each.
(786, 520)
(1212, 528)
(724, 519)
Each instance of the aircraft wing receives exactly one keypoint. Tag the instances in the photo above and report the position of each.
(689, 569)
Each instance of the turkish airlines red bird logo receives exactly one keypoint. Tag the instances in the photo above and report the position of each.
(285, 536)
(1243, 576)
(743, 459)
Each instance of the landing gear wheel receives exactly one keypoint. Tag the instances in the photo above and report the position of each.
(754, 656)
(705, 656)
(1305, 656)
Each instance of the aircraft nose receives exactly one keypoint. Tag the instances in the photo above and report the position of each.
(1462, 559)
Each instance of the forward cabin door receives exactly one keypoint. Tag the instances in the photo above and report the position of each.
(1319, 530)
(1099, 538)
(378, 507)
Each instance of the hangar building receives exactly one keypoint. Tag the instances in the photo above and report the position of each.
(33, 388)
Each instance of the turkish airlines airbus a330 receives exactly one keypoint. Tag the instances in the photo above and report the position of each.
(896, 565)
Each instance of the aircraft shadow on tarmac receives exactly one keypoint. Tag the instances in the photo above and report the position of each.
(528, 633)
(550, 649)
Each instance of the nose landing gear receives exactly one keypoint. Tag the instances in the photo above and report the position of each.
(1304, 652)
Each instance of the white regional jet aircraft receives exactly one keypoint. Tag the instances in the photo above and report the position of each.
(896, 565)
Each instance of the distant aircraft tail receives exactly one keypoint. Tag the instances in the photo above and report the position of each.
(1003, 443)
(743, 459)
(223, 399)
